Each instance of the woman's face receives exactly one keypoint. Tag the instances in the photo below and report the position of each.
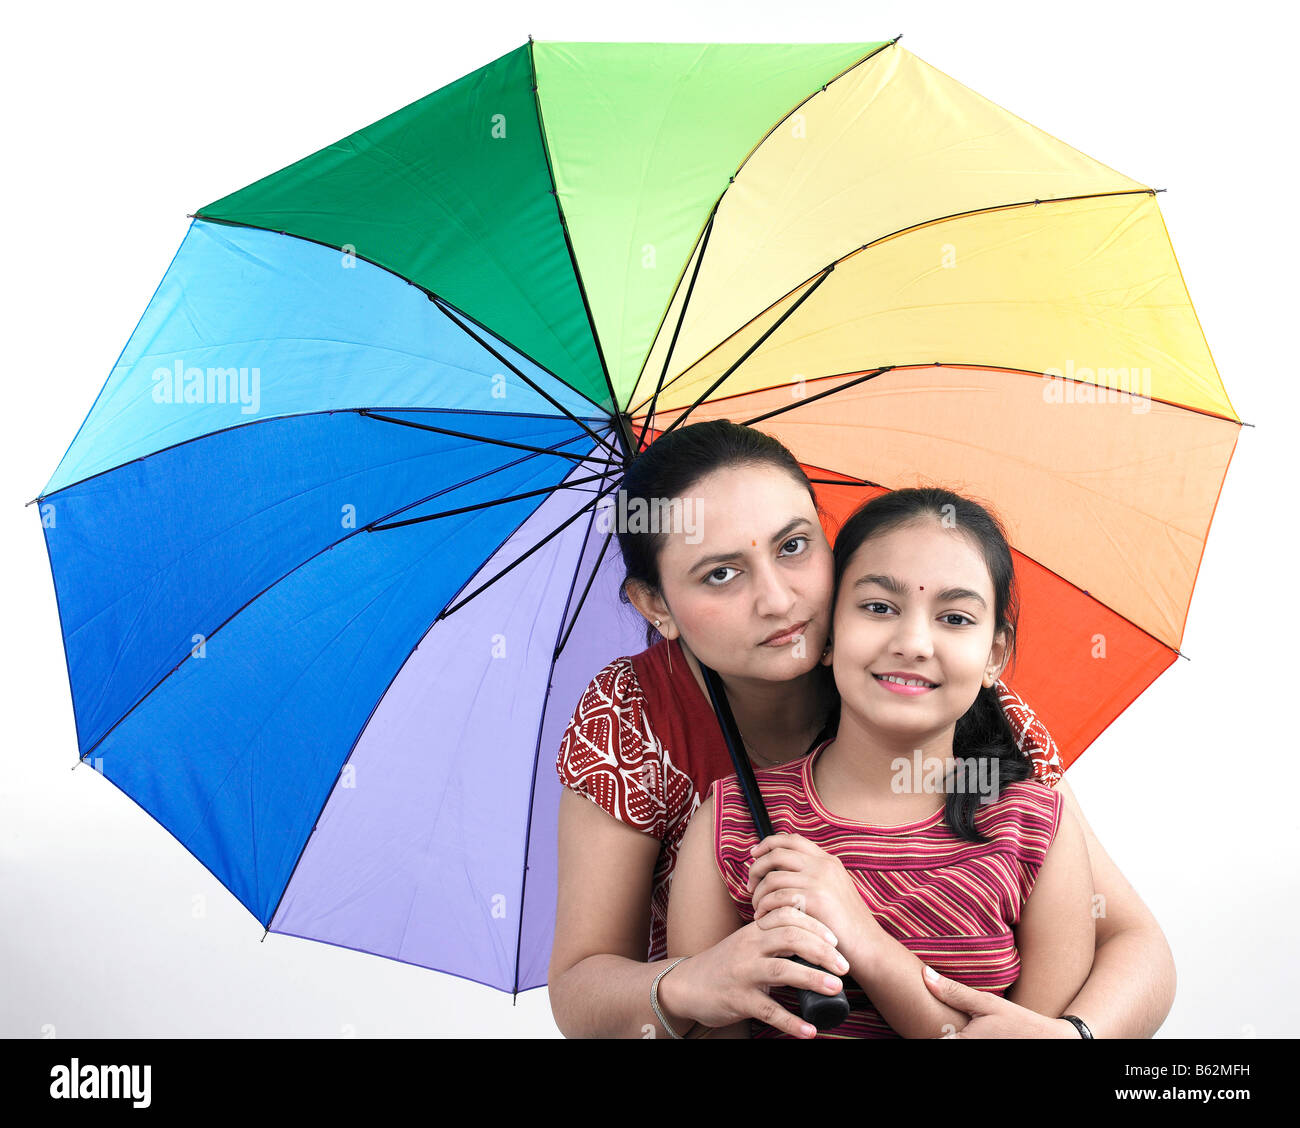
(915, 602)
(756, 564)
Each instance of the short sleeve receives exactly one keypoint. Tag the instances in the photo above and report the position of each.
(1032, 737)
(609, 755)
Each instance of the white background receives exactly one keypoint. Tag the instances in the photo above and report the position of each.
(122, 118)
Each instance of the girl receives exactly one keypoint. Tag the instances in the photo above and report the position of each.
(914, 834)
(643, 748)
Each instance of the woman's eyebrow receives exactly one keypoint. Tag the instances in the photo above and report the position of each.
(900, 589)
(780, 534)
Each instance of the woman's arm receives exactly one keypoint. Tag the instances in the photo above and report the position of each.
(1130, 990)
(598, 980)
(1055, 933)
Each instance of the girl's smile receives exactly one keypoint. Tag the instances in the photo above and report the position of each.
(906, 684)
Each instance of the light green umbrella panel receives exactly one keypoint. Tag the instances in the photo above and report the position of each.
(458, 191)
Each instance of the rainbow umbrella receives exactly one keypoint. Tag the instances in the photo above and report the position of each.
(331, 549)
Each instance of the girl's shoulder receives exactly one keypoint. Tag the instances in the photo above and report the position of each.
(1023, 817)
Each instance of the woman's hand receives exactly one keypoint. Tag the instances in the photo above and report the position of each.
(789, 870)
(729, 982)
(993, 1016)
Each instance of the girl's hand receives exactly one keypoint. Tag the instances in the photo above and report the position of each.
(993, 1016)
(729, 982)
(789, 870)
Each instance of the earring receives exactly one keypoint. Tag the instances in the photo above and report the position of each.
(670, 653)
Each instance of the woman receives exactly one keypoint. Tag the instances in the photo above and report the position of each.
(751, 598)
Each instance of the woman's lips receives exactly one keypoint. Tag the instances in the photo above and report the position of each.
(789, 636)
(906, 690)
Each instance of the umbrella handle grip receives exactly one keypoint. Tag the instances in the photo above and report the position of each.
(823, 1011)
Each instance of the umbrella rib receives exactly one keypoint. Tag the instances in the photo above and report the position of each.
(958, 364)
(513, 368)
(370, 414)
(481, 505)
(883, 239)
(325, 548)
(713, 212)
(590, 580)
(298, 415)
(748, 352)
(541, 724)
(573, 259)
(549, 536)
(432, 295)
(819, 395)
(681, 316)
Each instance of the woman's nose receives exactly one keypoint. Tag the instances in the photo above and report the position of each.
(774, 595)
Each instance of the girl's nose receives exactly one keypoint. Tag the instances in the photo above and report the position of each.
(912, 637)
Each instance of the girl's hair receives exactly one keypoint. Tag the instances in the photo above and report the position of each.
(674, 463)
(983, 732)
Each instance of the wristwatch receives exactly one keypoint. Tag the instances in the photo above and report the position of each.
(1079, 1025)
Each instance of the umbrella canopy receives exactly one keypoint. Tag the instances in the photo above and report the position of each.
(331, 550)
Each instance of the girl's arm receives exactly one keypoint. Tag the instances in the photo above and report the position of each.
(890, 974)
(789, 869)
(1055, 933)
(700, 910)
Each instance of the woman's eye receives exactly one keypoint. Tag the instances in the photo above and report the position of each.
(709, 579)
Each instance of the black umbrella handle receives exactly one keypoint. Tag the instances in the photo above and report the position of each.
(825, 1012)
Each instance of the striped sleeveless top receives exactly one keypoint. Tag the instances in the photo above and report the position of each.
(645, 746)
(949, 901)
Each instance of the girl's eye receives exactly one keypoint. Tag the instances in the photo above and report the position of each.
(959, 615)
(873, 604)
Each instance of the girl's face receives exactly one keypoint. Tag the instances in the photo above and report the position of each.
(917, 603)
(757, 563)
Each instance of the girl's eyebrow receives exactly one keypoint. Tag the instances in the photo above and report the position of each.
(900, 589)
(718, 557)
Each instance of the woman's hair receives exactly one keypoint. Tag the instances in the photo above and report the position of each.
(671, 466)
(983, 732)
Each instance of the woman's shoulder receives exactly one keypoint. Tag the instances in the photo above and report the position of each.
(612, 701)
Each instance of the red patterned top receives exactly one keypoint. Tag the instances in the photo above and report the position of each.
(949, 901)
(645, 746)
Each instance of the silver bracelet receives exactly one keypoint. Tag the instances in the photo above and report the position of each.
(1078, 1023)
(654, 997)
